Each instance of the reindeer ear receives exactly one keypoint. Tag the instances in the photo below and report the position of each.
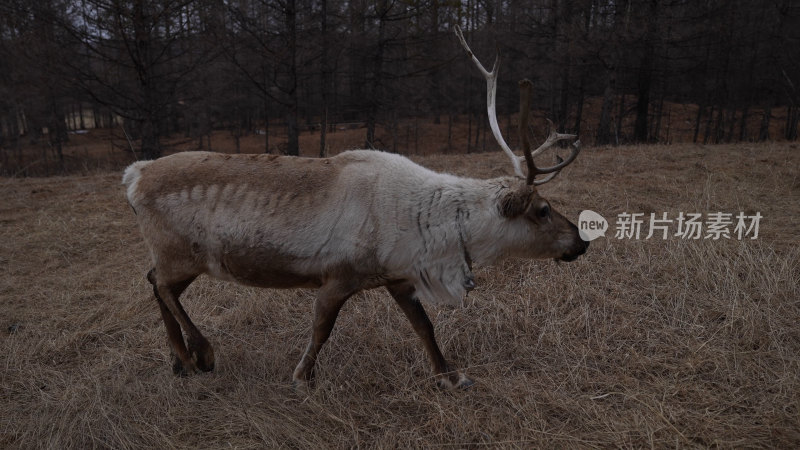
(515, 202)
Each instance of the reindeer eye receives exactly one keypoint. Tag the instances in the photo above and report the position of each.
(544, 212)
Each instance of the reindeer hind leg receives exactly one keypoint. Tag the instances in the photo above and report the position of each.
(197, 354)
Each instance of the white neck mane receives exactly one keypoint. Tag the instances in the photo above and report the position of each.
(456, 222)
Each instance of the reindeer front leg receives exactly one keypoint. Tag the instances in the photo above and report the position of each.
(330, 298)
(447, 379)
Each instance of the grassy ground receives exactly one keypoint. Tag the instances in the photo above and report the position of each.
(638, 343)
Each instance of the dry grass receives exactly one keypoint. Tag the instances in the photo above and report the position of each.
(638, 343)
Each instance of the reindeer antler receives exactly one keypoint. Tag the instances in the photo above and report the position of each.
(553, 137)
(491, 93)
(525, 92)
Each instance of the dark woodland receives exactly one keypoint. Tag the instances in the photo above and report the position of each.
(152, 69)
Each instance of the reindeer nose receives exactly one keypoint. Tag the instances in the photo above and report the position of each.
(581, 249)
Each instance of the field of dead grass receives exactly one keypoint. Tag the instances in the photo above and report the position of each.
(638, 343)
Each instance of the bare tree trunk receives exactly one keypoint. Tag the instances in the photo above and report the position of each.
(620, 116)
(660, 111)
(640, 131)
(645, 75)
(479, 123)
(579, 108)
(731, 124)
(792, 113)
(394, 131)
(763, 131)
(436, 94)
(483, 140)
(697, 120)
(323, 133)
(603, 136)
(323, 149)
(449, 132)
(469, 116)
(706, 99)
(743, 122)
(792, 117)
(564, 104)
(266, 130)
(416, 134)
(293, 138)
(57, 126)
(709, 122)
(377, 75)
(80, 115)
(74, 118)
(150, 147)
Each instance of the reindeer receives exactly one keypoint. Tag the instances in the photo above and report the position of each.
(359, 220)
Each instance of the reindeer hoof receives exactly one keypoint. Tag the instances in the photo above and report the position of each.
(204, 361)
(193, 367)
(462, 382)
(182, 370)
(302, 387)
(202, 354)
(177, 367)
(444, 384)
(204, 365)
(303, 382)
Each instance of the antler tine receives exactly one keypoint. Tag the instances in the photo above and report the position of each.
(524, 109)
(491, 92)
(555, 170)
(493, 73)
(551, 176)
(576, 148)
(552, 138)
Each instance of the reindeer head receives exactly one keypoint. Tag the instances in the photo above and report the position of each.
(545, 233)
(551, 235)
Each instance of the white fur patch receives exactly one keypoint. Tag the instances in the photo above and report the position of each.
(131, 178)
